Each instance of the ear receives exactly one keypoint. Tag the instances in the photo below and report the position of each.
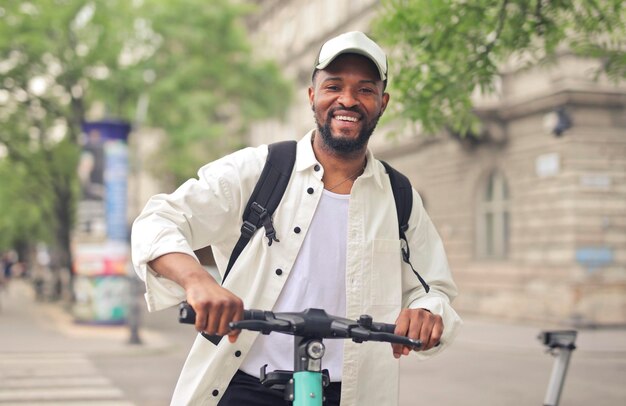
(311, 96)
(384, 102)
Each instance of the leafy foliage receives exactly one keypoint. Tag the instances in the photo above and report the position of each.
(442, 51)
(59, 59)
(53, 51)
(207, 87)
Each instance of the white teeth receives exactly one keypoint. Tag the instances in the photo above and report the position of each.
(347, 118)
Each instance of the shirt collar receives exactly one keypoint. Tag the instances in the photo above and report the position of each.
(373, 168)
(306, 159)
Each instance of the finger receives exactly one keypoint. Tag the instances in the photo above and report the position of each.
(225, 318)
(238, 315)
(233, 311)
(233, 335)
(402, 326)
(213, 319)
(425, 333)
(417, 320)
(201, 317)
(397, 350)
(435, 335)
(434, 331)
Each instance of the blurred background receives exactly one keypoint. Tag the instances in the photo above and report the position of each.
(508, 116)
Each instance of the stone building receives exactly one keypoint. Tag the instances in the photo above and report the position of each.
(533, 217)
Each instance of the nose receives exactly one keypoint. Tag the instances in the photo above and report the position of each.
(347, 98)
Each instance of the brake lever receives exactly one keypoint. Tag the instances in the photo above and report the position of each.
(395, 339)
(360, 334)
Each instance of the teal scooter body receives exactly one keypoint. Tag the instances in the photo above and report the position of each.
(307, 388)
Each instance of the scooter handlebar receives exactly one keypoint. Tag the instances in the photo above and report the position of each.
(363, 329)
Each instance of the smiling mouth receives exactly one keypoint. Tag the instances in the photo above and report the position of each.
(347, 118)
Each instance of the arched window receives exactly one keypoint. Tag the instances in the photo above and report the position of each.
(493, 218)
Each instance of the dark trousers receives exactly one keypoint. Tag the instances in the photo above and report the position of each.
(246, 390)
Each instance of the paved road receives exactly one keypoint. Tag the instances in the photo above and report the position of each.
(46, 359)
(504, 364)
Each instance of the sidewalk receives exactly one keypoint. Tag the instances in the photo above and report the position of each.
(46, 359)
(42, 326)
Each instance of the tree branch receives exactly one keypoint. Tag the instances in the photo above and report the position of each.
(499, 26)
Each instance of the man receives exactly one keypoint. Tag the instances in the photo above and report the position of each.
(338, 250)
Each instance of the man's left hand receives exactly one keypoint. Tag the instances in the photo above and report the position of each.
(418, 324)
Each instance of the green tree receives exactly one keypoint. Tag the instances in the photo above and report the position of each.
(445, 49)
(60, 58)
(207, 87)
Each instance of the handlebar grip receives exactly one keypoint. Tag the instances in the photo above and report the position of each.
(384, 327)
(187, 315)
(253, 314)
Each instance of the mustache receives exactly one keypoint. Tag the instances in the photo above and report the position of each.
(353, 109)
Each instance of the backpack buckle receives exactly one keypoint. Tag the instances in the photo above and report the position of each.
(248, 229)
(258, 209)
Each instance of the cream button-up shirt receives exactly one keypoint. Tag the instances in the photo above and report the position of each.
(208, 211)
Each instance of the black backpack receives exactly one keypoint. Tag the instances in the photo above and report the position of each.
(271, 186)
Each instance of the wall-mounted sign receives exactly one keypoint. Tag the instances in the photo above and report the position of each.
(548, 165)
(596, 181)
(594, 257)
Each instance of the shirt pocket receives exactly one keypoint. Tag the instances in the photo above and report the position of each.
(386, 281)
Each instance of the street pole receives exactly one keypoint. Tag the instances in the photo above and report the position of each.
(560, 344)
(134, 311)
(136, 288)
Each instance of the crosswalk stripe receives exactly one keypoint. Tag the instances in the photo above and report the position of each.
(77, 403)
(32, 394)
(49, 379)
(40, 355)
(54, 382)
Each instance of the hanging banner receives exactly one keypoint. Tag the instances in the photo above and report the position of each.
(100, 248)
(102, 299)
(103, 174)
(115, 186)
(101, 259)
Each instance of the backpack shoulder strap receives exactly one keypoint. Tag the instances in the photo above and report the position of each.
(403, 197)
(266, 196)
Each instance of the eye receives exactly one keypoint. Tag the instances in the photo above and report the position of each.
(367, 90)
(332, 87)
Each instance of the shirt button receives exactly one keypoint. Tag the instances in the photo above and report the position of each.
(237, 354)
(316, 168)
(215, 392)
(310, 190)
(279, 272)
(297, 230)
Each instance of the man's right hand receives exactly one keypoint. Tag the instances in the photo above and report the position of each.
(214, 305)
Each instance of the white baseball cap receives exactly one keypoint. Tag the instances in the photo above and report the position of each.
(354, 42)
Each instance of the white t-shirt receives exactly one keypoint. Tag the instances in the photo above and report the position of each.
(317, 280)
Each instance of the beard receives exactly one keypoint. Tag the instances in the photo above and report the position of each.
(345, 146)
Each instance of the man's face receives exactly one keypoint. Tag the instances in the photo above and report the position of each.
(347, 99)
